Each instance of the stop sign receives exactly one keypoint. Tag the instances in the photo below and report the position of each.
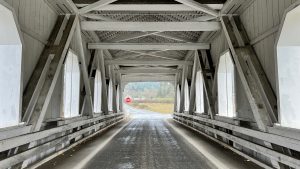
(128, 100)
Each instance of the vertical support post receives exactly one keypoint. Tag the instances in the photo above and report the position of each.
(100, 64)
(207, 89)
(175, 91)
(52, 76)
(114, 99)
(123, 84)
(249, 82)
(84, 71)
(183, 77)
(193, 86)
(121, 89)
(38, 77)
(258, 91)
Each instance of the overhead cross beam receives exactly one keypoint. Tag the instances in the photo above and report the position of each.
(149, 46)
(199, 6)
(139, 54)
(149, 26)
(147, 71)
(95, 5)
(143, 62)
(151, 78)
(144, 34)
(150, 54)
(151, 7)
(150, 1)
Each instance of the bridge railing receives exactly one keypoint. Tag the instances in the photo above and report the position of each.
(51, 142)
(241, 138)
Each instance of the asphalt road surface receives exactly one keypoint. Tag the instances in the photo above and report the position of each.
(147, 142)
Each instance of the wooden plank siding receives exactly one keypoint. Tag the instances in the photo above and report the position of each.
(36, 20)
(258, 19)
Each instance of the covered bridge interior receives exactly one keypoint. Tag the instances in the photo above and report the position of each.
(234, 64)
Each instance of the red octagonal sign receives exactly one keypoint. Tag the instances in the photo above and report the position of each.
(128, 100)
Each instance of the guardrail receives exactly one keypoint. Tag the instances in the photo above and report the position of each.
(247, 138)
(47, 142)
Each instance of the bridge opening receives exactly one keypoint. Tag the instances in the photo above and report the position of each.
(151, 96)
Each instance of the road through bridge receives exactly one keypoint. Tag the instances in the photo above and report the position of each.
(234, 65)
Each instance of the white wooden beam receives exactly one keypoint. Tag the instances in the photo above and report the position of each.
(151, 7)
(147, 71)
(131, 36)
(84, 69)
(143, 62)
(207, 88)
(149, 46)
(137, 55)
(200, 7)
(172, 37)
(95, 5)
(275, 155)
(150, 54)
(149, 26)
(193, 85)
(98, 17)
(144, 34)
(250, 81)
(127, 79)
(44, 99)
(182, 98)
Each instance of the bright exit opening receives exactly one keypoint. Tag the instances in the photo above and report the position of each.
(150, 96)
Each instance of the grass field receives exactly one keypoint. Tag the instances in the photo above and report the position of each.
(164, 108)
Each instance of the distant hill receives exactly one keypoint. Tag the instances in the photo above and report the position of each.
(150, 90)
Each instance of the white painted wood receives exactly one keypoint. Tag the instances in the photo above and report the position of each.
(38, 164)
(36, 21)
(23, 139)
(37, 90)
(83, 66)
(144, 78)
(37, 121)
(9, 132)
(198, 6)
(151, 7)
(150, 26)
(207, 87)
(147, 71)
(255, 147)
(150, 54)
(131, 36)
(149, 46)
(260, 113)
(263, 165)
(10, 68)
(59, 141)
(141, 62)
(182, 88)
(95, 5)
